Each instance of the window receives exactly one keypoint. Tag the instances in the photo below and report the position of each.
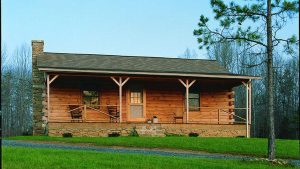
(136, 97)
(91, 98)
(194, 101)
(136, 104)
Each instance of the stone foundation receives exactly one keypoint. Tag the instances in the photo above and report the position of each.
(159, 130)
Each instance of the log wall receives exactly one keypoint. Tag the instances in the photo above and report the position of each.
(160, 102)
(210, 103)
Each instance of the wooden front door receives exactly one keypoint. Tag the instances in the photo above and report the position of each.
(136, 107)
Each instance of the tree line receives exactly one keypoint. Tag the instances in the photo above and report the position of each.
(16, 93)
(257, 24)
(237, 60)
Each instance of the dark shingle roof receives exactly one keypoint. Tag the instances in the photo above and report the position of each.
(129, 63)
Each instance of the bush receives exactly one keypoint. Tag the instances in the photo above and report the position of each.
(114, 134)
(240, 136)
(173, 135)
(27, 133)
(133, 132)
(192, 134)
(67, 135)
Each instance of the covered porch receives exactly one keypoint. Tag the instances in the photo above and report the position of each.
(138, 100)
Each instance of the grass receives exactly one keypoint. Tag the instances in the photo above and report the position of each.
(253, 147)
(20, 158)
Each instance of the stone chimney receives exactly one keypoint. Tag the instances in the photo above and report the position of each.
(38, 88)
(37, 47)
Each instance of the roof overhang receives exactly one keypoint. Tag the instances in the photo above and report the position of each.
(221, 76)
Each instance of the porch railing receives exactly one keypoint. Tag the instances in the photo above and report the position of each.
(231, 112)
(101, 109)
(236, 115)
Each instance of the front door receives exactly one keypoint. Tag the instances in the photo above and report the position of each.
(136, 105)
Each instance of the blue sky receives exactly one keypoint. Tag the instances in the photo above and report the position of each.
(126, 27)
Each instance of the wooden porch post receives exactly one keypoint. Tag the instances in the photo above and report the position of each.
(48, 97)
(120, 98)
(248, 106)
(187, 100)
(247, 110)
(48, 92)
(187, 85)
(120, 84)
(250, 101)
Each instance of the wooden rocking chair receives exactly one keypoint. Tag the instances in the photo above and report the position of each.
(175, 117)
(76, 113)
(114, 113)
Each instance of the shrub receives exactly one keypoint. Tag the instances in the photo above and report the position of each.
(27, 133)
(133, 132)
(67, 135)
(114, 134)
(173, 135)
(240, 136)
(192, 134)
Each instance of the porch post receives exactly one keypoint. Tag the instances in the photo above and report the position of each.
(187, 100)
(120, 97)
(250, 102)
(48, 97)
(120, 83)
(187, 85)
(48, 92)
(247, 109)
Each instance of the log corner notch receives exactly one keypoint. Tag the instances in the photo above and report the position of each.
(248, 86)
(120, 83)
(187, 84)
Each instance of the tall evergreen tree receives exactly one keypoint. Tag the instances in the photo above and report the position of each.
(266, 19)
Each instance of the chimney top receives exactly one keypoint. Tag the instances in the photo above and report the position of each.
(37, 47)
(37, 41)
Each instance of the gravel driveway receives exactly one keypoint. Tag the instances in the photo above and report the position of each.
(177, 153)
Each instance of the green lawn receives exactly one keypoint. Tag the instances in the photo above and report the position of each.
(253, 146)
(20, 158)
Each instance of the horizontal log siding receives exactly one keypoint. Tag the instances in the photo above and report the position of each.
(61, 97)
(162, 103)
(213, 100)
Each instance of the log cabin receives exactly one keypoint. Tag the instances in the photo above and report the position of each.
(97, 95)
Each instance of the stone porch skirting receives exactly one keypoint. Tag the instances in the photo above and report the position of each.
(143, 129)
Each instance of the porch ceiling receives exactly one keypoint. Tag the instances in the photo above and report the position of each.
(80, 80)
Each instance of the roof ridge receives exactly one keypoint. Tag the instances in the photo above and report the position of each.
(160, 57)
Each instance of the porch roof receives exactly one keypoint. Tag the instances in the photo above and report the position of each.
(133, 65)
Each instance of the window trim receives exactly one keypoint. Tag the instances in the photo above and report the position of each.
(138, 98)
(128, 98)
(199, 101)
